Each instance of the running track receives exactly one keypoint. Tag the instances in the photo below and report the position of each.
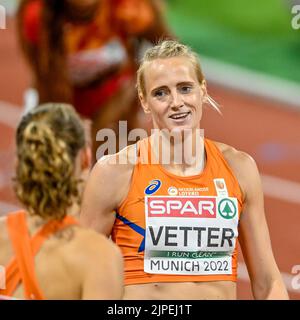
(264, 129)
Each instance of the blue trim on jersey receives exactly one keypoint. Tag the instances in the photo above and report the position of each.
(134, 227)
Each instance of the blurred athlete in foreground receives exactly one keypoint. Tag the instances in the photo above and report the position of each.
(46, 253)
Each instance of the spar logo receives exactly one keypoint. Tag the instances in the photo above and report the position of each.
(227, 208)
(186, 207)
(153, 186)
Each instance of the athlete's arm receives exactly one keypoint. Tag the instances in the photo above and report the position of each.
(107, 186)
(266, 280)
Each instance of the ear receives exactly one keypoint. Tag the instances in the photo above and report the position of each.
(204, 91)
(144, 103)
(86, 158)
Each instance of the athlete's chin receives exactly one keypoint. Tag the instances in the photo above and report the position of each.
(170, 126)
(182, 127)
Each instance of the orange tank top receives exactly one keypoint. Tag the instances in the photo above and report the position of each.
(21, 267)
(179, 229)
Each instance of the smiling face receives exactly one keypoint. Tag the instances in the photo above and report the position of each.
(173, 94)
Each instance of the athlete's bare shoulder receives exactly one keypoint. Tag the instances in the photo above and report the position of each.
(242, 164)
(88, 242)
(109, 182)
(118, 163)
(233, 155)
(95, 262)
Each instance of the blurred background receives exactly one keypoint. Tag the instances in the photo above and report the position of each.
(250, 56)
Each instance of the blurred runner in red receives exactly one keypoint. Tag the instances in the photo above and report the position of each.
(85, 53)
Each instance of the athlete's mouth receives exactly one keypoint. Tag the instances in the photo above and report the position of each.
(179, 115)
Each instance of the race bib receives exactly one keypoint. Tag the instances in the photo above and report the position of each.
(190, 235)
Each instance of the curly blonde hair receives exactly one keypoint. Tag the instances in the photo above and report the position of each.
(48, 140)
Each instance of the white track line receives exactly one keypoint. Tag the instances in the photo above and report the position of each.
(10, 6)
(251, 82)
(281, 189)
(10, 114)
(287, 278)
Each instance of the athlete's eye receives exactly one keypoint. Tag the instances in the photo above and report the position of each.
(160, 93)
(186, 89)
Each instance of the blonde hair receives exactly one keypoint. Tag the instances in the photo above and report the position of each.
(48, 140)
(169, 49)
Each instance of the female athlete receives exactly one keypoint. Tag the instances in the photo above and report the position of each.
(46, 254)
(178, 222)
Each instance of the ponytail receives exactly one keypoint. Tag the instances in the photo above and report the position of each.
(45, 179)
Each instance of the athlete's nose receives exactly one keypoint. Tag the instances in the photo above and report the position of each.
(176, 100)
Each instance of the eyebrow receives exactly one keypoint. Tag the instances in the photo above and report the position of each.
(158, 88)
(191, 83)
(178, 84)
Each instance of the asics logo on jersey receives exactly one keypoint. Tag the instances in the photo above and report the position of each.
(153, 186)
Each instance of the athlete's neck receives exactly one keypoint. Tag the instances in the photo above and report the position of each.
(35, 222)
(180, 152)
